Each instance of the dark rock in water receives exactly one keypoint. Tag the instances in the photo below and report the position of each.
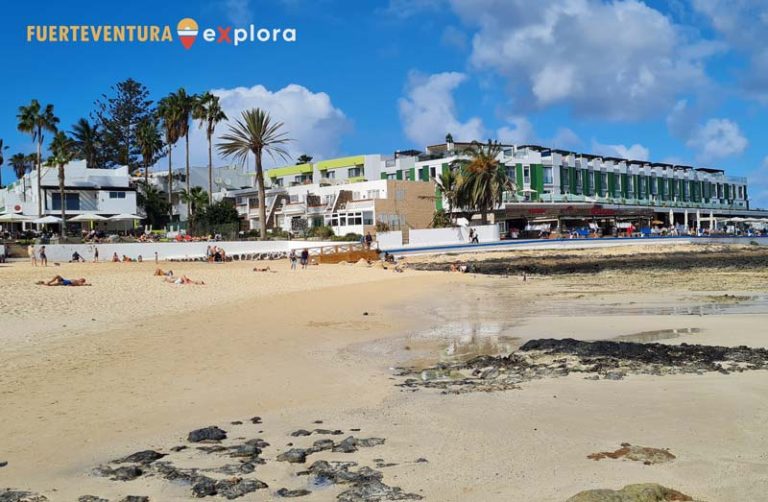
(294, 456)
(370, 442)
(91, 498)
(322, 444)
(300, 432)
(126, 473)
(204, 487)
(348, 445)
(285, 492)
(135, 498)
(141, 457)
(236, 488)
(211, 433)
(646, 492)
(9, 495)
(328, 432)
(256, 420)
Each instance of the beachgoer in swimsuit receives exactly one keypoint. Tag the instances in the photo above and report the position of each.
(60, 281)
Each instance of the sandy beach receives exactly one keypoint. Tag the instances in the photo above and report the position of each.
(89, 375)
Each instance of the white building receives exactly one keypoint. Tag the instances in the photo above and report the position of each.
(105, 192)
(225, 179)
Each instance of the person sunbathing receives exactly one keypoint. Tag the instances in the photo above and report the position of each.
(265, 269)
(183, 280)
(160, 272)
(60, 281)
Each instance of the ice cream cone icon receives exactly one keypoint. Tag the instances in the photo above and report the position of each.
(187, 31)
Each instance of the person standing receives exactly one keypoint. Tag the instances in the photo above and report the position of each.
(32, 255)
(95, 254)
(368, 240)
(292, 257)
(43, 257)
(304, 258)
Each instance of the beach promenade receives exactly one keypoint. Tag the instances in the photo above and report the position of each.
(295, 359)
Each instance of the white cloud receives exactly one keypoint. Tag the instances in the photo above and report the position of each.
(616, 60)
(238, 11)
(521, 133)
(311, 120)
(633, 152)
(428, 112)
(743, 24)
(717, 139)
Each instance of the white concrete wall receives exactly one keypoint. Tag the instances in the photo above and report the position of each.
(456, 235)
(389, 240)
(173, 250)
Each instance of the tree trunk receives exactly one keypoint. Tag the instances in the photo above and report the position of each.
(170, 181)
(210, 171)
(484, 217)
(262, 197)
(189, 202)
(39, 177)
(146, 173)
(63, 201)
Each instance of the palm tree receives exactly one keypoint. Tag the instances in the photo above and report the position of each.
(449, 183)
(169, 111)
(63, 150)
(485, 179)
(35, 120)
(150, 143)
(2, 159)
(87, 142)
(303, 159)
(185, 103)
(20, 164)
(208, 111)
(196, 199)
(255, 133)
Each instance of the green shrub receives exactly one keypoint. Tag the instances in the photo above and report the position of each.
(322, 232)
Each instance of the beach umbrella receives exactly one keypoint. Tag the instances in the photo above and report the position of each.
(89, 218)
(125, 217)
(14, 218)
(47, 219)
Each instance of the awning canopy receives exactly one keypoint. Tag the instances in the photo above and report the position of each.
(88, 217)
(47, 219)
(125, 217)
(14, 218)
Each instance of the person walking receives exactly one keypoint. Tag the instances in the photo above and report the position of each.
(32, 255)
(292, 257)
(368, 240)
(43, 257)
(304, 258)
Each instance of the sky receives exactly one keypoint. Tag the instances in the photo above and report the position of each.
(680, 81)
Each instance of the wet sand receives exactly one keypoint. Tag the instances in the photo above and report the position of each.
(161, 360)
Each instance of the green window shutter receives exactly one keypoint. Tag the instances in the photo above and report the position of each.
(572, 179)
(537, 180)
(611, 184)
(725, 191)
(412, 174)
(624, 183)
(585, 181)
(564, 186)
(519, 177)
(438, 198)
(424, 173)
(598, 182)
(661, 184)
(399, 174)
(383, 176)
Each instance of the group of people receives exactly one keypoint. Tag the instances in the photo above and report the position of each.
(125, 259)
(303, 258)
(215, 254)
(38, 255)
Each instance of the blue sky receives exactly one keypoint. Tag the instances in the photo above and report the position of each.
(677, 80)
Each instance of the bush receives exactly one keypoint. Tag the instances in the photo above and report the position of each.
(322, 232)
(350, 237)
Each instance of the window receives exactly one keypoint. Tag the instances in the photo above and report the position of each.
(278, 182)
(373, 194)
(329, 175)
(368, 218)
(392, 176)
(71, 201)
(548, 176)
(354, 172)
(591, 182)
(579, 181)
(117, 195)
(527, 175)
(603, 183)
(433, 172)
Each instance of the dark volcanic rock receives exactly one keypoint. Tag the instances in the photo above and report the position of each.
(179, 448)
(3, 463)
(294, 456)
(9, 495)
(235, 488)
(91, 498)
(322, 444)
(300, 432)
(141, 457)
(126, 473)
(135, 498)
(285, 492)
(256, 420)
(211, 433)
(375, 491)
(646, 492)
(203, 487)
(348, 445)
(328, 432)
